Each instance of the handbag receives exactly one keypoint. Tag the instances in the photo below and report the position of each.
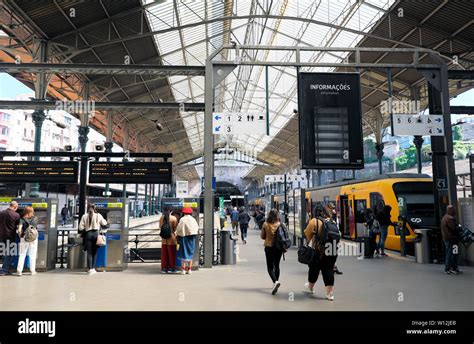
(101, 240)
(305, 254)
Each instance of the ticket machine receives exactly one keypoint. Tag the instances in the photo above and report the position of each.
(115, 212)
(46, 210)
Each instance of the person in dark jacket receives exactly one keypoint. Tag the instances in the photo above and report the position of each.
(9, 220)
(449, 232)
(373, 227)
(244, 219)
(260, 219)
(384, 219)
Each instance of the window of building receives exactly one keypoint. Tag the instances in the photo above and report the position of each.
(6, 117)
(4, 130)
(24, 132)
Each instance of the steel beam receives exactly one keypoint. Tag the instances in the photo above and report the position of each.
(101, 69)
(54, 105)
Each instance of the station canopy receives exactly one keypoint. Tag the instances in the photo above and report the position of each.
(184, 33)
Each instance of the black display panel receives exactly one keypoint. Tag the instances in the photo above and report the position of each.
(330, 121)
(130, 172)
(58, 172)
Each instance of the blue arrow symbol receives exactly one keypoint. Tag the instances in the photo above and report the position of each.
(439, 130)
(438, 120)
(217, 117)
(217, 128)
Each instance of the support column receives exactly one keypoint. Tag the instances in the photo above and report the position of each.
(83, 138)
(418, 141)
(208, 165)
(41, 87)
(126, 139)
(38, 119)
(320, 174)
(108, 144)
(379, 152)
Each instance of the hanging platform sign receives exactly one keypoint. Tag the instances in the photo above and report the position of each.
(422, 125)
(235, 123)
(330, 121)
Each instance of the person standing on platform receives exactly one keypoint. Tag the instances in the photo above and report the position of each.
(168, 223)
(9, 220)
(187, 230)
(384, 219)
(373, 228)
(449, 226)
(244, 219)
(64, 215)
(27, 247)
(89, 226)
(272, 254)
(234, 218)
(323, 261)
(332, 209)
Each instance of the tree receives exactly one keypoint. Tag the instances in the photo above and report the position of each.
(457, 133)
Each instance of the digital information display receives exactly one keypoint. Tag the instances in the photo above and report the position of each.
(57, 172)
(130, 172)
(330, 121)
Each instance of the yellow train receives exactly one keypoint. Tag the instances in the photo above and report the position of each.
(410, 194)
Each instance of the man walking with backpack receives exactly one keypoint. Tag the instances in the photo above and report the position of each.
(323, 236)
(244, 219)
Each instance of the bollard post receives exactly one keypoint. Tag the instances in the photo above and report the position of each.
(402, 221)
(62, 249)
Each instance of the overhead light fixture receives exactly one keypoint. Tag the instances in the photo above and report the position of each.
(158, 125)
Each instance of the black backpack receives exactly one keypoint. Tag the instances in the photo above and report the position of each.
(331, 231)
(282, 240)
(165, 231)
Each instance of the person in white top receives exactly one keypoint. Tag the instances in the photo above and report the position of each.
(29, 248)
(89, 226)
(186, 231)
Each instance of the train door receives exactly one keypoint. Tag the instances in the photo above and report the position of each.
(347, 225)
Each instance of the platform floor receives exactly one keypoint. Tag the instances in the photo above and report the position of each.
(390, 283)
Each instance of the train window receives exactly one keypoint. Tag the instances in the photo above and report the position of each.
(360, 208)
(376, 202)
(418, 198)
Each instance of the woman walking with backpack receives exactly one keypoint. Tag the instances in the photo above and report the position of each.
(323, 259)
(272, 253)
(28, 240)
(168, 225)
(90, 225)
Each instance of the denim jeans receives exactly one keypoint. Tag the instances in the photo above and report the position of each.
(451, 260)
(383, 237)
(8, 257)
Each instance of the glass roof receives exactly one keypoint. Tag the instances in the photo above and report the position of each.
(244, 89)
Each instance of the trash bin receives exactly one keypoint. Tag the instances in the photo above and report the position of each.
(228, 248)
(366, 250)
(76, 257)
(423, 246)
(75, 222)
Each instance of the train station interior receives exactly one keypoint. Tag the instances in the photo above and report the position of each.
(247, 121)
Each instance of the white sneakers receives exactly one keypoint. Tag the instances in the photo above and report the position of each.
(91, 272)
(308, 289)
(276, 285)
(33, 273)
(188, 272)
(330, 296)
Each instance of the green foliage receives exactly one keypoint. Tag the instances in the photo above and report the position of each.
(457, 133)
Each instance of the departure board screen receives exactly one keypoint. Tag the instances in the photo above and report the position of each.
(58, 172)
(130, 172)
(330, 121)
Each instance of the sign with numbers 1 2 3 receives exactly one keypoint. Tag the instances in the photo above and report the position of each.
(235, 123)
